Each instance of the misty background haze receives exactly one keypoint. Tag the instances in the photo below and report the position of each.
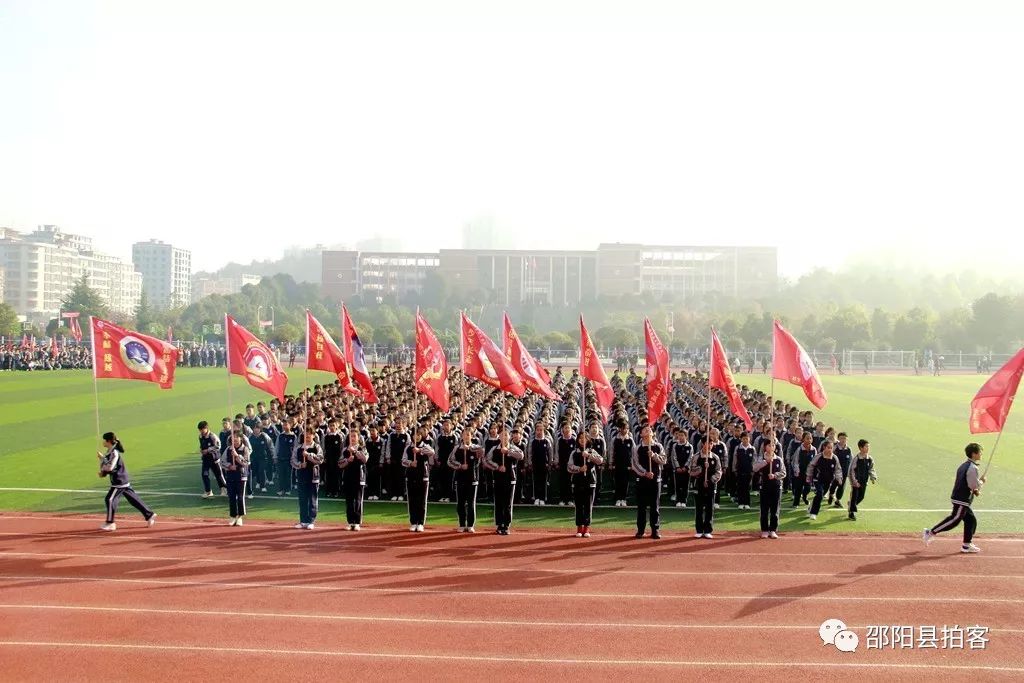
(835, 131)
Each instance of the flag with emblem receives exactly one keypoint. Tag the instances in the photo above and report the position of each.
(720, 377)
(991, 405)
(659, 381)
(123, 354)
(252, 359)
(74, 326)
(482, 359)
(354, 354)
(591, 368)
(533, 374)
(431, 369)
(323, 354)
(792, 364)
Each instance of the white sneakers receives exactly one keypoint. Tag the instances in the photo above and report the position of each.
(717, 506)
(300, 525)
(812, 516)
(415, 527)
(235, 521)
(772, 534)
(412, 527)
(462, 529)
(698, 535)
(708, 536)
(927, 536)
(764, 534)
(232, 520)
(356, 527)
(208, 494)
(970, 548)
(470, 530)
(419, 527)
(152, 520)
(109, 527)
(238, 522)
(579, 534)
(223, 491)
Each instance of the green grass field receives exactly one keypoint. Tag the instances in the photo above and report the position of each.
(917, 427)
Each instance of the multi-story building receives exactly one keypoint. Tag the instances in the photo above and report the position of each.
(554, 277)
(204, 286)
(42, 267)
(2, 277)
(166, 273)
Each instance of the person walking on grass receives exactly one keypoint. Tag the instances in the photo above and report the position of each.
(112, 466)
(822, 473)
(234, 462)
(966, 487)
(862, 470)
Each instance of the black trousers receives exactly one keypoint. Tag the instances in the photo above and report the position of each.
(836, 489)
(373, 481)
(332, 477)
(771, 497)
(465, 500)
(584, 496)
(742, 482)
(236, 494)
(704, 522)
(857, 495)
(284, 475)
(800, 489)
(442, 480)
(211, 464)
(354, 503)
(114, 497)
(648, 502)
(564, 485)
(416, 489)
(621, 482)
(258, 475)
(540, 482)
(396, 484)
(504, 490)
(682, 481)
(819, 492)
(309, 500)
(961, 513)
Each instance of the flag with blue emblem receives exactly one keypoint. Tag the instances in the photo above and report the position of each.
(123, 354)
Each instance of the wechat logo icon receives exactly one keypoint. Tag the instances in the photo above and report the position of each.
(834, 632)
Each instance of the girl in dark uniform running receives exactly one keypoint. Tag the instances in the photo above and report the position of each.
(112, 465)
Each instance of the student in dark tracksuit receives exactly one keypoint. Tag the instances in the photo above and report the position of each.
(966, 487)
(417, 461)
(287, 440)
(705, 472)
(442, 478)
(503, 461)
(394, 450)
(621, 458)
(352, 467)
(375, 465)
(112, 466)
(743, 469)
(647, 463)
(862, 470)
(564, 447)
(596, 443)
(844, 455)
(465, 463)
(770, 469)
(540, 459)
(822, 472)
(802, 457)
(681, 452)
(234, 462)
(583, 464)
(333, 442)
(262, 452)
(210, 448)
(306, 460)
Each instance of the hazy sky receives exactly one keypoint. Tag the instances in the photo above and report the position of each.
(238, 128)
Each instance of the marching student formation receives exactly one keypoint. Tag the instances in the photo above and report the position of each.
(496, 448)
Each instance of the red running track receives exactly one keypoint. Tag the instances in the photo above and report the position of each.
(189, 600)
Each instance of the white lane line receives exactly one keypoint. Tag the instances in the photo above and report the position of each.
(186, 494)
(430, 620)
(512, 593)
(509, 660)
(652, 549)
(497, 570)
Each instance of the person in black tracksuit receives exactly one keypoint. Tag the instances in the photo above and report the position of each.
(352, 465)
(844, 455)
(647, 463)
(112, 466)
(374, 466)
(564, 447)
(262, 452)
(802, 457)
(743, 469)
(442, 479)
(540, 459)
(821, 473)
(306, 459)
(397, 443)
(465, 463)
(681, 452)
(582, 466)
(595, 441)
(966, 487)
(705, 472)
(770, 469)
(417, 460)
(621, 456)
(333, 444)
(234, 462)
(503, 461)
(862, 470)
(210, 448)
(287, 440)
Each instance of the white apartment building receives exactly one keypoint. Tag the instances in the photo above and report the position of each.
(166, 273)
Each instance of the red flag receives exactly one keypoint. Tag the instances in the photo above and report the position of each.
(24, 342)
(76, 328)
(53, 348)
(354, 353)
(658, 378)
(252, 359)
(431, 370)
(170, 334)
(590, 368)
(323, 354)
(118, 353)
(483, 360)
(534, 376)
(721, 378)
(791, 363)
(992, 403)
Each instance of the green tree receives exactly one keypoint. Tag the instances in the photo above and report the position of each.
(86, 301)
(915, 329)
(617, 337)
(144, 317)
(286, 332)
(847, 327)
(881, 327)
(387, 335)
(954, 330)
(435, 290)
(993, 315)
(558, 340)
(9, 325)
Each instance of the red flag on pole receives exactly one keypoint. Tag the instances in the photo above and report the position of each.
(323, 354)
(252, 359)
(24, 342)
(118, 353)
(590, 368)
(991, 405)
(791, 363)
(431, 369)
(354, 354)
(721, 378)
(74, 326)
(534, 376)
(482, 359)
(659, 381)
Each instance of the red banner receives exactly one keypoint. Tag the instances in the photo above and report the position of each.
(721, 378)
(431, 369)
(591, 368)
(482, 359)
(354, 354)
(323, 354)
(533, 374)
(791, 363)
(659, 381)
(122, 354)
(992, 403)
(252, 359)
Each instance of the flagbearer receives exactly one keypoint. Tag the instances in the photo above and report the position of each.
(112, 466)
(583, 465)
(306, 461)
(705, 472)
(966, 487)
(465, 462)
(771, 469)
(540, 461)
(503, 460)
(647, 463)
(417, 461)
(352, 464)
(234, 461)
(209, 448)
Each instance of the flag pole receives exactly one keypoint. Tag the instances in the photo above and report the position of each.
(711, 365)
(988, 463)
(227, 361)
(95, 381)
